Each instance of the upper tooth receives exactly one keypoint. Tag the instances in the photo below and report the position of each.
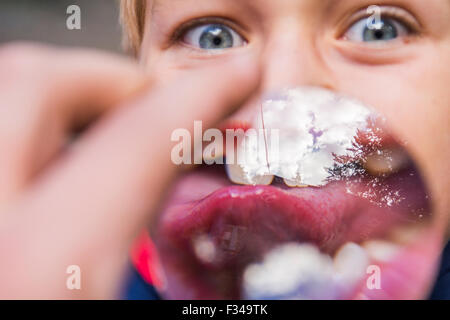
(315, 126)
(350, 262)
(386, 161)
(247, 164)
(237, 175)
(293, 183)
(205, 249)
(380, 250)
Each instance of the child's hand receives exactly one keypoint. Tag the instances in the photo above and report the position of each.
(82, 204)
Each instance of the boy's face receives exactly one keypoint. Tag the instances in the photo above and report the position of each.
(400, 68)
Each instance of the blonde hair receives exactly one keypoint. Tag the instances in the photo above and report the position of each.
(132, 18)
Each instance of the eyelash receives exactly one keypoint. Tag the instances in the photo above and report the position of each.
(180, 32)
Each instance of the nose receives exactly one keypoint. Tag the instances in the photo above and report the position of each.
(292, 57)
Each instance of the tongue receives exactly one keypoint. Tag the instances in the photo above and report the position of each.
(207, 246)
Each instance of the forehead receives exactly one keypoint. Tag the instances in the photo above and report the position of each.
(156, 5)
(251, 4)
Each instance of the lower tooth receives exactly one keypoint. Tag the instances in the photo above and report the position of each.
(291, 271)
(405, 235)
(380, 250)
(293, 183)
(350, 263)
(386, 161)
(205, 249)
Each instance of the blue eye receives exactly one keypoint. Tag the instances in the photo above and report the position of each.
(213, 37)
(386, 30)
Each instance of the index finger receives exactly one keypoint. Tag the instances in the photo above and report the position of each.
(46, 92)
(108, 187)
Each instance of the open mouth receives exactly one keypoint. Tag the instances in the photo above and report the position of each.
(364, 234)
